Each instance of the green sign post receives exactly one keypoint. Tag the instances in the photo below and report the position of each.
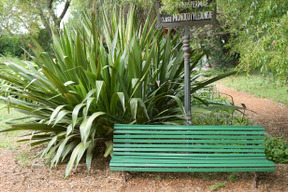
(190, 14)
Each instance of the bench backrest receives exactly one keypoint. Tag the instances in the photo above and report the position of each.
(158, 140)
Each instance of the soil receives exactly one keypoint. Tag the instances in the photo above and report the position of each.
(15, 176)
(265, 112)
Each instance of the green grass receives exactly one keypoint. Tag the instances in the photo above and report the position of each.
(8, 140)
(24, 158)
(259, 86)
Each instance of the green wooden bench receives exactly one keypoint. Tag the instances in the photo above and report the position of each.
(161, 148)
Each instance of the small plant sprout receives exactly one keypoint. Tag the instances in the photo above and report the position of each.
(217, 185)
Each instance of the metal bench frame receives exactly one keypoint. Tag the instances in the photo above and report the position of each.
(164, 148)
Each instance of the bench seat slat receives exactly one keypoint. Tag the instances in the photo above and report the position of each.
(191, 150)
(182, 127)
(163, 154)
(190, 165)
(188, 141)
(128, 145)
(186, 137)
(192, 161)
(208, 132)
(255, 169)
(116, 158)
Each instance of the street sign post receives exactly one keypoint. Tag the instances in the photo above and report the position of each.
(190, 14)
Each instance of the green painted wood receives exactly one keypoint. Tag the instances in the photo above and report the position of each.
(128, 145)
(144, 158)
(208, 132)
(172, 162)
(190, 165)
(183, 127)
(166, 154)
(192, 150)
(186, 136)
(214, 141)
(258, 169)
(161, 148)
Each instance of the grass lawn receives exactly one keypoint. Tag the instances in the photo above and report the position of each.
(259, 86)
(8, 140)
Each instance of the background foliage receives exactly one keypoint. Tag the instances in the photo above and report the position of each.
(15, 45)
(259, 30)
(11, 45)
(276, 149)
(254, 31)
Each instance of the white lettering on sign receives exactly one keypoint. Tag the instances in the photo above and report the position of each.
(166, 19)
(194, 4)
(194, 16)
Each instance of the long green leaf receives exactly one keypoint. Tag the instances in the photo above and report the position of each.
(75, 113)
(55, 112)
(76, 156)
(85, 127)
(60, 150)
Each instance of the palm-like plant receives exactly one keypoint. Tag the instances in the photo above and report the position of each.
(121, 72)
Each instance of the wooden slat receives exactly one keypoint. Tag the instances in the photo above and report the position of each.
(128, 145)
(259, 169)
(173, 162)
(183, 127)
(192, 150)
(215, 141)
(165, 154)
(186, 136)
(144, 158)
(189, 165)
(208, 132)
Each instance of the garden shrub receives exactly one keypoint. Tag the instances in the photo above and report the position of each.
(276, 149)
(11, 45)
(119, 72)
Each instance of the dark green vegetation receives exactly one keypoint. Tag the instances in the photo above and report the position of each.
(12, 45)
(122, 72)
(276, 149)
(164, 148)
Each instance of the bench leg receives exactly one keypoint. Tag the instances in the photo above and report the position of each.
(125, 175)
(255, 180)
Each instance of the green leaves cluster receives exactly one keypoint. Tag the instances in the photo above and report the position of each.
(117, 72)
(72, 99)
(276, 149)
(259, 31)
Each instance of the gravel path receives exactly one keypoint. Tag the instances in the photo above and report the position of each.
(266, 112)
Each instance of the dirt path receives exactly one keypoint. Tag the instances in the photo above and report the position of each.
(268, 113)
(37, 177)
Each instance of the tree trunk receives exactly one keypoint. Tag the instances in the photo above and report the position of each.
(56, 20)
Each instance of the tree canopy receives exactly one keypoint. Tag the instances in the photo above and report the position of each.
(29, 16)
(254, 29)
(259, 29)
